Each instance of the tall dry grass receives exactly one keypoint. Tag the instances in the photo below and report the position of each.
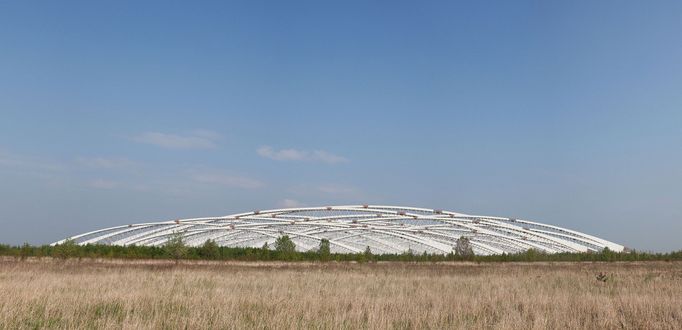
(132, 295)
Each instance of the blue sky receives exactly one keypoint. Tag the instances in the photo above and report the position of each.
(121, 112)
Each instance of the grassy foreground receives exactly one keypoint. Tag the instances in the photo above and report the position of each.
(49, 293)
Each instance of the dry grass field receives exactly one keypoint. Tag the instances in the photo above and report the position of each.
(158, 294)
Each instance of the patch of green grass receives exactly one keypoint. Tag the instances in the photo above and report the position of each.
(108, 310)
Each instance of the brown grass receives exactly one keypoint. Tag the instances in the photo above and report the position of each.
(122, 294)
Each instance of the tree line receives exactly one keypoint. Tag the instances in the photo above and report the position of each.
(284, 249)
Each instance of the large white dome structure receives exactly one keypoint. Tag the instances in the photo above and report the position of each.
(353, 228)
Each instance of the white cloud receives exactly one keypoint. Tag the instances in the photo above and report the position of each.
(300, 155)
(201, 139)
(284, 154)
(207, 134)
(9, 160)
(107, 163)
(12, 160)
(103, 184)
(289, 203)
(327, 157)
(227, 180)
(111, 184)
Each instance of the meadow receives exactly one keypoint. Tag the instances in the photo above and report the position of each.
(133, 294)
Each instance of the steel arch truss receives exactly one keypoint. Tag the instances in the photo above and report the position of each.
(353, 228)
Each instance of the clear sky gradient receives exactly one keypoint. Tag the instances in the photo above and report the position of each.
(119, 112)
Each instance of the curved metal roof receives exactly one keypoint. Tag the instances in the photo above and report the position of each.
(353, 228)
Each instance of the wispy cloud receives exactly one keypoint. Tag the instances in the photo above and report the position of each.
(289, 203)
(103, 184)
(227, 180)
(108, 184)
(107, 163)
(12, 160)
(201, 139)
(300, 155)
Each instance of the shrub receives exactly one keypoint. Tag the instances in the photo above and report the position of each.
(368, 254)
(209, 250)
(463, 247)
(25, 251)
(175, 246)
(66, 249)
(325, 250)
(285, 247)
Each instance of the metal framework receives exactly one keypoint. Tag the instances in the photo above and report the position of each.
(353, 228)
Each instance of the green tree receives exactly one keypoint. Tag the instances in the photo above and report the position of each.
(285, 247)
(325, 250)
(209, 250)
(533, 255)
(463, 247)
(25, 251)
(68, 248)
(175, 246)
(368, 254)
(607, 255)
